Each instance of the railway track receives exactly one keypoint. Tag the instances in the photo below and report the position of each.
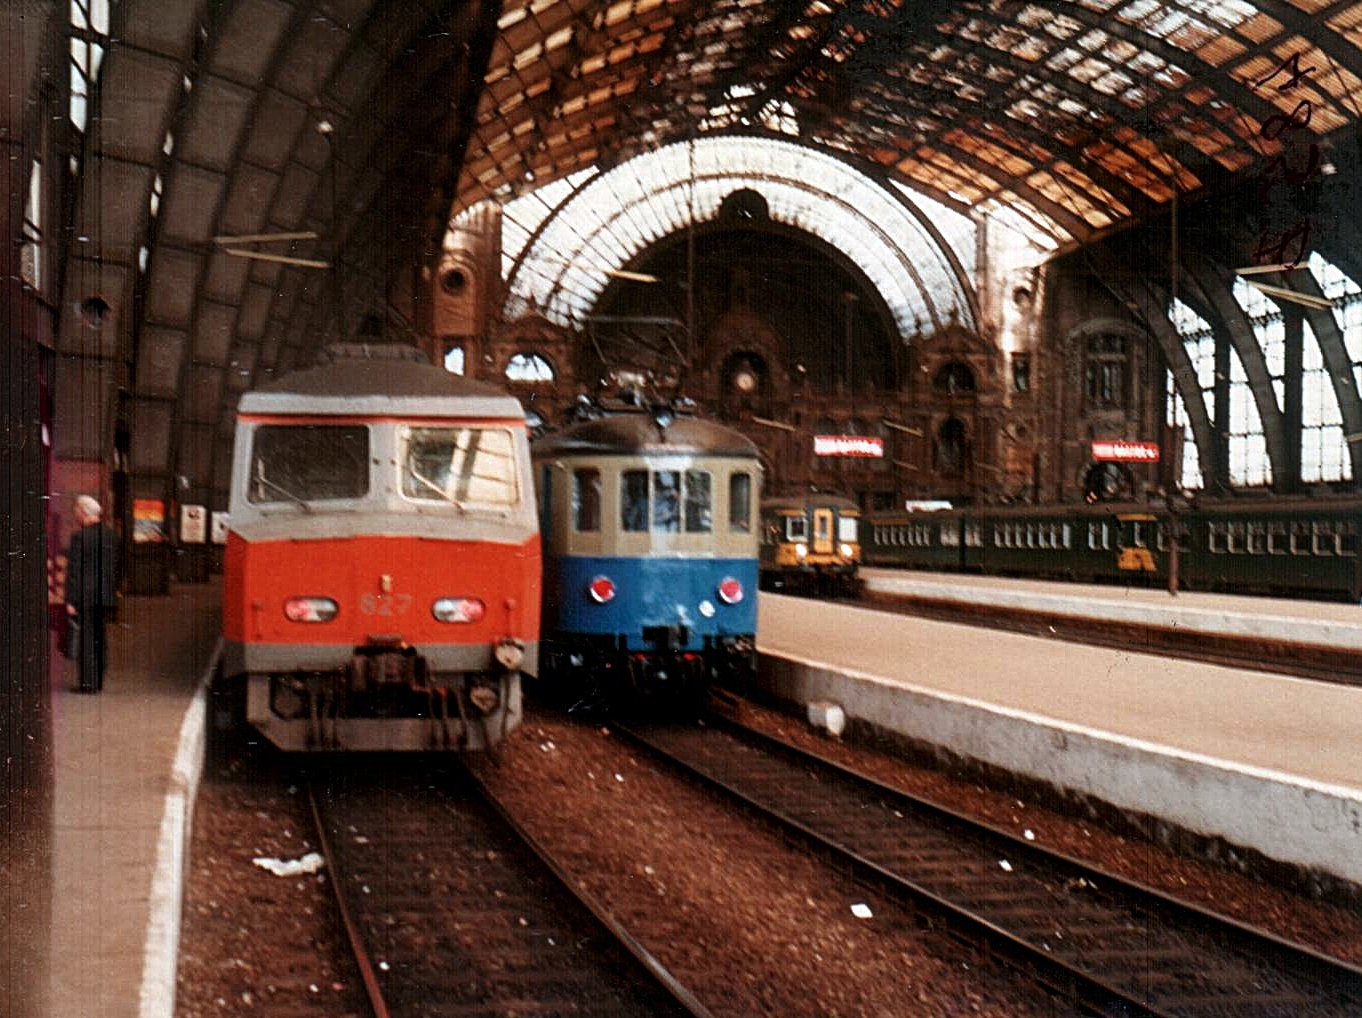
(1304, 661)
(452, 909)
(1109, 946)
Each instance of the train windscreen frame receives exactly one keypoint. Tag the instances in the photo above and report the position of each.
(306, 463)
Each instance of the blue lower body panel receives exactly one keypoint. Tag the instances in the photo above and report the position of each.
(652, 595)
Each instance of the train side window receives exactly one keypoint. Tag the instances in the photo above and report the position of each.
(1236, 537)
(948, 536)
(1347, 540)
(1277, 541)
(1257, 538)
(699, 502)
(1301, 542)
(586, 500)
(1097, 537)
(1325, 543)
(974, 536)
(1217, 540)
(740, 503)
(1068, 535)
(634, 500)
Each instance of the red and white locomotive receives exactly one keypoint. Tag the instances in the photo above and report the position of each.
(382, 574)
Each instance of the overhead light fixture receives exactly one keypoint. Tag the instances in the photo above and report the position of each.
(271, 238)
(265, 238)
(1258, 270)
(263, 256)
(637, 277)
(1309, 300)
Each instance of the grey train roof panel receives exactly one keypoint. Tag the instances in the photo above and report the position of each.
(380, 383)
(633, 434)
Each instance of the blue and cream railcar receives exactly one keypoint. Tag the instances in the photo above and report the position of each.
(650, 555)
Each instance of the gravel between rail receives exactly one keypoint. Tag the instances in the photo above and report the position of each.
(735, 902)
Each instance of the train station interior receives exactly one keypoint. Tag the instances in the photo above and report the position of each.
(988, 252)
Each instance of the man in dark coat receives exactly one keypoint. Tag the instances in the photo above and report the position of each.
(91, 589)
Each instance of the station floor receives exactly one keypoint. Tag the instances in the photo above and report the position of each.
(114, 766)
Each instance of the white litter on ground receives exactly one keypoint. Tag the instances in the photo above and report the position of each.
(309, 863)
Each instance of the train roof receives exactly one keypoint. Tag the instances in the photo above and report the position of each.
(631, 434)
(798, 503)
(374, 381)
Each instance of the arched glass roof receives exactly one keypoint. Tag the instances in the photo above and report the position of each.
(562, 243)
(1070, 117)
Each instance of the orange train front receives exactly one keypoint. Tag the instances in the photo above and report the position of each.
(382, 578)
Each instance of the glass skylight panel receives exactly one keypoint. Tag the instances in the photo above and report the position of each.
(1347, 300)
(626, 210)
(1177, 415)
(1324, 448)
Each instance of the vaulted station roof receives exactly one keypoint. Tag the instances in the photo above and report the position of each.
(1079, 115)
(174, 130)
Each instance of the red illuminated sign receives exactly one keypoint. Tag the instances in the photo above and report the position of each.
(1126, 452)
(848, 445)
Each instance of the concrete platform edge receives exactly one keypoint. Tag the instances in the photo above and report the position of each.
(160, 960)
(1214, 622)
(1306, 824)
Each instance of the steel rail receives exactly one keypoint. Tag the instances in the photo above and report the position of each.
(357, 947)
(1089, 991)
(679, 992)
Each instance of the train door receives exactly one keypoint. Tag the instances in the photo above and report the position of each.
(823, 531)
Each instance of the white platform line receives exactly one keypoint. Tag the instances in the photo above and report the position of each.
(160, 957)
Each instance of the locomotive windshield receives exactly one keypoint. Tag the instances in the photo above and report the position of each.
(666, 501)
(308, 463)
(467, 467)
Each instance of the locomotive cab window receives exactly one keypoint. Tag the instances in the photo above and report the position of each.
(796, 528)
(586, 500)
(666, 501)
(301, 464)
(462, 466)
(740, 503)
(846, 529)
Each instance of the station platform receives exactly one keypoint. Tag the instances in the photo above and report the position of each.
(1334, 625)
(126, 766)
(1249, 759)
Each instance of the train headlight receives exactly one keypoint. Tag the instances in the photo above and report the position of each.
(602, 589)
(730, 590)
(458, 609)
(310, 609)
(801, 550)
(846, 550)
(510, 652)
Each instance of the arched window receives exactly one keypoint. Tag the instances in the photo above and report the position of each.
(529, 367)
(953, 378)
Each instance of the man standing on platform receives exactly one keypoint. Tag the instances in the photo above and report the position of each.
(91, 589)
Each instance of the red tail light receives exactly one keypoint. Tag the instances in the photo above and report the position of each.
(602, 589)
(730, 590)
(459, 609)
(310, 609)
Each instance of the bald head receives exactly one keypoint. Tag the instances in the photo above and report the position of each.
(88, 509)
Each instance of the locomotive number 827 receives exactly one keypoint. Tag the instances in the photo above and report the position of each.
(381, 587)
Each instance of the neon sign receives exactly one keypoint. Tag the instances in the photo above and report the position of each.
(867, 446)
(1126, 452)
